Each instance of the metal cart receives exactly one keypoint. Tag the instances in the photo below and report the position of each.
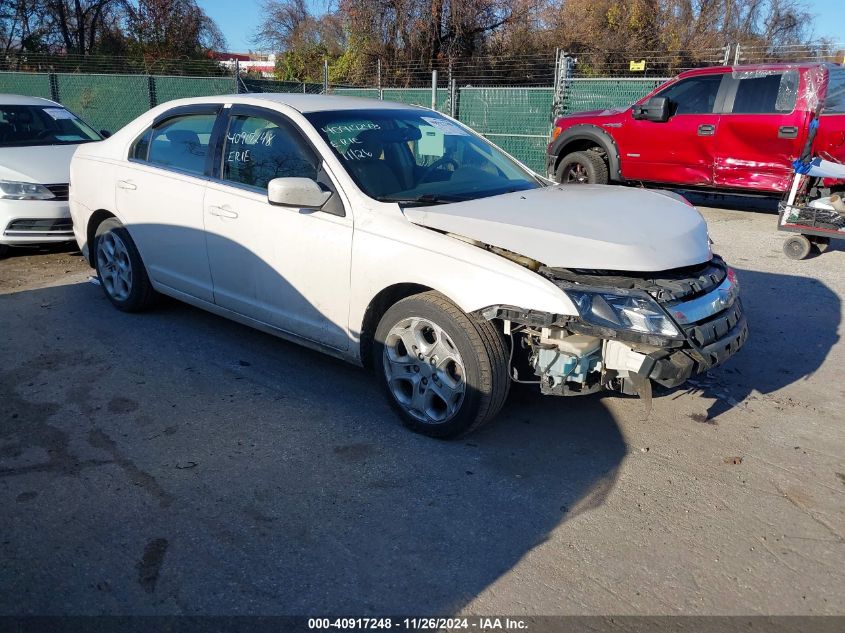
(814, 220)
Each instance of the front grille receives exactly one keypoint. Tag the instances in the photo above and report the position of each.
(27, 226)
(60, 191)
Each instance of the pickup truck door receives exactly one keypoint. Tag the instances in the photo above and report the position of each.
(286, 267)
(679, 150)
(762, 130)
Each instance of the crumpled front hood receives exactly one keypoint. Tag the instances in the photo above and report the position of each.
(581, 226)
(43, 164)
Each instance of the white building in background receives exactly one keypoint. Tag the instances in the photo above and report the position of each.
(265, 65)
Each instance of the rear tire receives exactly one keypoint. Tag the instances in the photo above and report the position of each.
(120, 270)
(797, 247)
(4, 250)
(582, 168)
(444, 372)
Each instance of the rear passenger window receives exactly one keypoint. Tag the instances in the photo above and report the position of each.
(258, 150)
(773, 93)
(182, 142)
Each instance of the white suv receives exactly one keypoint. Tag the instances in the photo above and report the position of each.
(37, 140)
(395, 237)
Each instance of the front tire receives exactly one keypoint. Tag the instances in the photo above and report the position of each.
(582, 168)
(444, 372)
(120, 270)
(4, 250)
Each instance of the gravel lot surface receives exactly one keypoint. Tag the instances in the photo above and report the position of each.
(177, 463)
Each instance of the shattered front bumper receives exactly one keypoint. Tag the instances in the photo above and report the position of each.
(710, 343)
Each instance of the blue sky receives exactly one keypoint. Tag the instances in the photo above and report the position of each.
(238, 19)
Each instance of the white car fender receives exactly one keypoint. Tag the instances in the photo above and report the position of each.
(391, 251)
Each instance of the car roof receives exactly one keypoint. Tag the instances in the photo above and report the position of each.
(10, 99)
(304, 102)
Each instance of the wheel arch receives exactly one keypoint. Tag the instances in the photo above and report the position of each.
(375, 310)
(585, 136)
(97, 218)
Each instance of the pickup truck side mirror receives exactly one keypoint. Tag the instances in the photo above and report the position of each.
(105, 133)
(300, 193)
(656, 109)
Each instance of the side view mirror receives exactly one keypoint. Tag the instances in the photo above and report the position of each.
(656, 109)
(300, 193)
(105, 133)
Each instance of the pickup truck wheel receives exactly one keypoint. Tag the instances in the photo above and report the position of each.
(120, 270)
(582, 168)
(4, 250)
(444, 372)
(797, 247)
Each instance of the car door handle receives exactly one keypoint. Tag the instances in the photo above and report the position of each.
(788, 131)
(224, 211)
(706, 130)
(127, 184)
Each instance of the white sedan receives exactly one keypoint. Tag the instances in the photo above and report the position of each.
(395, 237)
(37, 140)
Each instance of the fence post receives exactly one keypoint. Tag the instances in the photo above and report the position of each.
(378, 78)
(453, 98)
(54, 88)
(151, 90)
(433, 89)
(237, 75)
(325, 76)
(562, 77)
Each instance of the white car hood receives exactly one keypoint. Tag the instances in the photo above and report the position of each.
(581, 226)
(44, 164)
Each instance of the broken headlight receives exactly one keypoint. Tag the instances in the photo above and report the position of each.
(633, 312)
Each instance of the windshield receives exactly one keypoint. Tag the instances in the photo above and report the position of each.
(418, 157)
(41, 125)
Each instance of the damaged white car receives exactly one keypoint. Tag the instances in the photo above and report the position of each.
(397, 238)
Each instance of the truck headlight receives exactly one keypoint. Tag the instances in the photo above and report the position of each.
(633, 312)
(12, 190)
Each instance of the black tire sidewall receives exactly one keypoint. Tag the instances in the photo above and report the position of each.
(585, 160)
(139, 292)
(464, 420)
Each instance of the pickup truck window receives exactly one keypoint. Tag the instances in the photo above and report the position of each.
(835, 101)
(773, 93)
(696, 95)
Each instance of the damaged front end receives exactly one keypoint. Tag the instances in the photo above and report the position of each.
(632, 329)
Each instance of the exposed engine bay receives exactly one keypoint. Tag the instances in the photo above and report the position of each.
(632, 328)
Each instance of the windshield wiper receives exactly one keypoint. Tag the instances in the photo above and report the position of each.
(425, 199)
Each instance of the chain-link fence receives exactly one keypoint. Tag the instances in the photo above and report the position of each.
(512, 99)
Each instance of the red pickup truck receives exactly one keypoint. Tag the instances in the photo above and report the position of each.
(725, 127)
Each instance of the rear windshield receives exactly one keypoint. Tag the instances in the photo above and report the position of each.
(835, 101)
(22, 125)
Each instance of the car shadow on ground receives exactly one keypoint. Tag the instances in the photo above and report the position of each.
(175, 462)
(788, 340)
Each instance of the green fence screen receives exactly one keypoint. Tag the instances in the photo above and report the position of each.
(518, 119)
